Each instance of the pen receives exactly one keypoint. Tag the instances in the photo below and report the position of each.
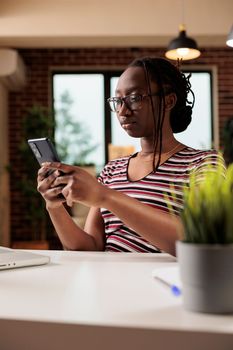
(174, 289)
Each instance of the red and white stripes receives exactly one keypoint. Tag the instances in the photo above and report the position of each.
(154, 190)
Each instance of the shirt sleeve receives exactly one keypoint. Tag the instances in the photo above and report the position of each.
(209, 161)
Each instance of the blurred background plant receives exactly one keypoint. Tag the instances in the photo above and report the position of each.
(37, 122)
(73, 139)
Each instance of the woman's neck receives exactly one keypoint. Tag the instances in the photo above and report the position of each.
(167, 145)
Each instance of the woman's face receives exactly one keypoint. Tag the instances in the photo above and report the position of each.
(139, 121)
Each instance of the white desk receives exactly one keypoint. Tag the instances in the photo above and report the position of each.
(85, 300)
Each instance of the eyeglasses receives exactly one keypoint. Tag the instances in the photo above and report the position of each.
(133, 102)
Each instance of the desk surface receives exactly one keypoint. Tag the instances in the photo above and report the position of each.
(95, 290)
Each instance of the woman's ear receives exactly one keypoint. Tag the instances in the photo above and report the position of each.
(170, 101)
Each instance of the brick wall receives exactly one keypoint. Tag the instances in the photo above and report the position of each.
(39, 63)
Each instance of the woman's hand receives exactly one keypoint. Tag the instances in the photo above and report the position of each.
(77, 185)
(52, 195)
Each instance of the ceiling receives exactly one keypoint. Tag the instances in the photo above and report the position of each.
(108, 23)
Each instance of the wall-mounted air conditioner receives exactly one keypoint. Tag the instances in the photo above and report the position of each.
(12, 69)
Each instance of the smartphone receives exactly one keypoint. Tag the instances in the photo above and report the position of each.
(43, 150)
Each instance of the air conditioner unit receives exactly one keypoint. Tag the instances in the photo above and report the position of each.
(12, 69)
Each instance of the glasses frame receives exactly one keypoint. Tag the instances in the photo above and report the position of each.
(123, 100)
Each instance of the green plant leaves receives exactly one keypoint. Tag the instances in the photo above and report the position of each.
(37, 122)
(208, 206)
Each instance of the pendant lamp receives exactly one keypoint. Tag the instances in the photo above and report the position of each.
(230, 38)
(182, 47)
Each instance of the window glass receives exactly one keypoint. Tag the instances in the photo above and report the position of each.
(199, 132)
(79, 114)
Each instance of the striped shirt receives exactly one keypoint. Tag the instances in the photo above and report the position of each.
(157, 189)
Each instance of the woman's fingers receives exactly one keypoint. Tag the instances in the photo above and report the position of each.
(44, 173)
(62, 180)
(48, 175)
(54, 194)
(69, 201)
(41, 175)
(78, 185)
(59, 166)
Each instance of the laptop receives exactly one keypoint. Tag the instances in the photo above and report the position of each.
(12, 258)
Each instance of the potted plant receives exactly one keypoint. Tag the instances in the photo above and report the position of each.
(205, 253)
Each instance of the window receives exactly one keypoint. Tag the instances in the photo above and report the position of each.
(199, 133)
(79, 114)
(80, 98)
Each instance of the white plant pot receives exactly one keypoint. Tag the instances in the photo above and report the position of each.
(207, 277)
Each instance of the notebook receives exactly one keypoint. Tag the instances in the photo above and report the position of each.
(12, 258)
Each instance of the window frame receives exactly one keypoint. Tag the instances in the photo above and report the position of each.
(108, 74)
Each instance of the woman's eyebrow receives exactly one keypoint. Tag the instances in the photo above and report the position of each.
(129, 90)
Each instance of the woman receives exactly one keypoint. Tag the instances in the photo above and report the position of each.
(131, 203)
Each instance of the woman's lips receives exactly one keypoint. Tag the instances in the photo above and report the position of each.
(127, 126)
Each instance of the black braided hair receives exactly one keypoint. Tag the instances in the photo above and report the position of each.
(169, 79)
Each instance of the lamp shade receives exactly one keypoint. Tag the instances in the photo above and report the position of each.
(230, 38)
(182, 47)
